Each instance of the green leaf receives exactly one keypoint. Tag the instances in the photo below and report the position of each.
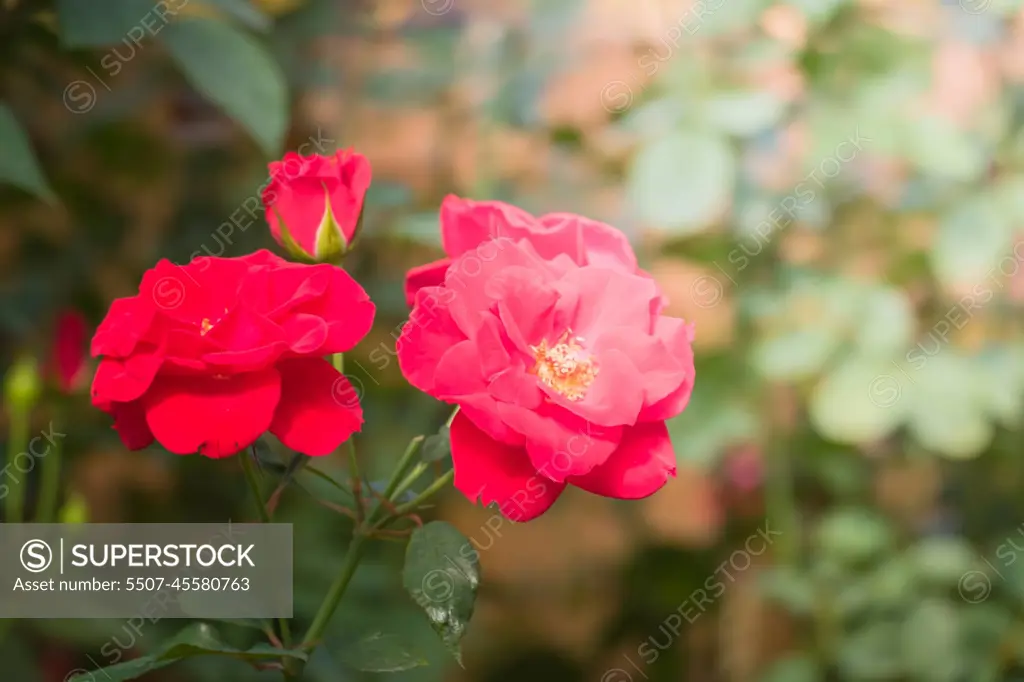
(796, 668)
(861, 401)
(196, 640)
(234, 71)
(949, 406)
(380, 653)
(819, 12)
(790, 588)
(18, 164)
(245, 12)
(940, 149)
(892, 584)
(442, 574)
(972, 240)
(703, 432)
(931, 642)
(83, 24)
(796, 355)
(744, 113)
(886, 323)
(943, 561)
(438, 446)
(872, 652)
(682, 181)
(852, 535)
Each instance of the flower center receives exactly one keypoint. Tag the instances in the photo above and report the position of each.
(205, 326)
(565, 367)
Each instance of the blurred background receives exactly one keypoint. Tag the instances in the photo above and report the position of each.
(832, 190)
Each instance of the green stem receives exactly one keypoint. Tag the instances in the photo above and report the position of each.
(16, 445)
(338, 360)
(431, 490)
(393, 486)
(407, 482)
(780, 499)
(257, 494)
(362, 534)
(49, 494)
(337, 591)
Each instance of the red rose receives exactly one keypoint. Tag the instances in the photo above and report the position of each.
(210, 355)
(314, 204)
(67, 357)
(466, 224)
(564, 374)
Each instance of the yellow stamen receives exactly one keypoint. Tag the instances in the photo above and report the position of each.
(565, 366)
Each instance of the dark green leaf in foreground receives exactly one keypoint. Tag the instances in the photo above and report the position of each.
(442, 573)
(233, 70)
(124, 23)
(196, 640)
(18, 164)
(380, 653)
(245, 12)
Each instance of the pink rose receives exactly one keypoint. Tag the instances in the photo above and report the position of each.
(558, 357)
(466, 224)
(314, 204)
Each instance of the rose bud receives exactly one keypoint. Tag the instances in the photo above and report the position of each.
(314, 204)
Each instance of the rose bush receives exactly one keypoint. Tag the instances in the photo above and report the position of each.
(314, 204)
(210, 355)
(557, 355)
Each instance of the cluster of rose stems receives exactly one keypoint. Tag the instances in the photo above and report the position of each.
(18, 443)
(368, 525)
(19, 424)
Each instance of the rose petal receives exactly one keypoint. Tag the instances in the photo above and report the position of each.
(202, 291)
(600, 244)
(425, 338)
(677, 337)
(124, 380)
(319, 408)
(489, 471)
(130, 424)
(346, 309)
(127, 321)
(642, 464)
(609, 299)
(466, 224)
(216, 417)
(559, 443)
(429, 275)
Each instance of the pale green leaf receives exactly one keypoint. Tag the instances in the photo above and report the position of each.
(682, 181)
(860, 401)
